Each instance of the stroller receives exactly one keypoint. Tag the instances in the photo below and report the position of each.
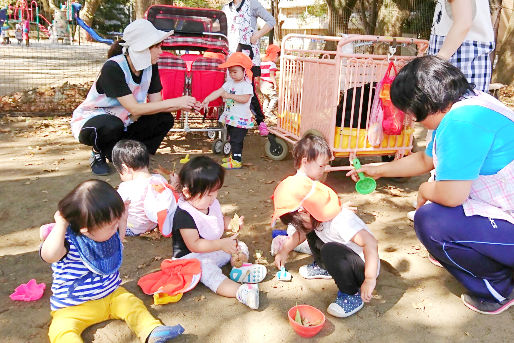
(189, 65)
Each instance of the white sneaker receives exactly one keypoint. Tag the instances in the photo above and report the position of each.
(248, 273)
(411, 215)
(248, 294)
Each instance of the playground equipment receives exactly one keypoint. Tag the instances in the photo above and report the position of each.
(76, 7)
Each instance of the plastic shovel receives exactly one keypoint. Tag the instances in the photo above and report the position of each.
(366, 184)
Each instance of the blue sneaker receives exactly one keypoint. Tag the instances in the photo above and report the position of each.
(314, 271)
(345, 305)
(162, 334)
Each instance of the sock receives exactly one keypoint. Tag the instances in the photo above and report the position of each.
(162, 334)
(248, 294)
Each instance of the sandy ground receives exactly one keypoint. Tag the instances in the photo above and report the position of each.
(414, 300)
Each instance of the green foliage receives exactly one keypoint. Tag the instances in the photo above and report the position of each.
(319, 9)
(419, 21)
(192, 3)
(112, 16)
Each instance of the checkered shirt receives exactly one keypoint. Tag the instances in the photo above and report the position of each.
(472, 58)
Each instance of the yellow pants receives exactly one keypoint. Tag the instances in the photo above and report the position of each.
(69, 322)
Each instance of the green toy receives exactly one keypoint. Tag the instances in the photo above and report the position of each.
(366, 184)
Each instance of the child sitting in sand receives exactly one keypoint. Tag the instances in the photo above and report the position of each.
(346, 246)
(198, 227)
(152, 199)
(85, 250)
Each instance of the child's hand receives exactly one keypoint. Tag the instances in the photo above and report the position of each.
(175, 181)
(241, 221)
(59, 219)
(280, 259)
(229, 244)
(349, 206)
(367, 289)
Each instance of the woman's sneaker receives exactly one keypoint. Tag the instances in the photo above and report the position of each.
(485, 306)
(345, 305)
(248, 273)
(248, 294)
(314, 271)
(98, 164)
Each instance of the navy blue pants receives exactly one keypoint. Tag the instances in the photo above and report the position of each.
(477, 251)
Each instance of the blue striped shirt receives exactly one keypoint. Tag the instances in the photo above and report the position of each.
(74, 284)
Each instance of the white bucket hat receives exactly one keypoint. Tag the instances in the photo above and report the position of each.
(139, 36)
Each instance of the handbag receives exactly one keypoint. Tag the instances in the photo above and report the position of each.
(393, 118)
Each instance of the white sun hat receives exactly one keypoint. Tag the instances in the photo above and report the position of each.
(139, 36)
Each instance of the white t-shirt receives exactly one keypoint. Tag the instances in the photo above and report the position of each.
(342, 229)
(481, 29)
(237, 114)
(135, 191)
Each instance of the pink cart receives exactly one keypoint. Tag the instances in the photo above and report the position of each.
(331, 92)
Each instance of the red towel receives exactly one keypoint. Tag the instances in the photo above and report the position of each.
(175, 276)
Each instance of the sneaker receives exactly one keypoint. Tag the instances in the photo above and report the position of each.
(232, 164)
(411, 215)
(485, 306)
(227, 159)
(345, 305)
(248, 273)
(98, 164)
(248, 294)
(263, 129)
(314, 271)
(434, 261)
(163, 333)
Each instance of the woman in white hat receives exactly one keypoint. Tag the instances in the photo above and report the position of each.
(125, 101)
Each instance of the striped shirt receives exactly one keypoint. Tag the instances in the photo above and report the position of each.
(266, 68)
(74, 284)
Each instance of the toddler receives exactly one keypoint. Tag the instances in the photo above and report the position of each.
(237, 92)
(85, 250)
(346, 246)
(198, 227)
(268, 82)
(152, 199)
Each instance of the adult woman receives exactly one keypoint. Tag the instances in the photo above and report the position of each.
(243, 36)
(469, 224)
(125, 101)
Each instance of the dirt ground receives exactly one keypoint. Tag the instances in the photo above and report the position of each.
(414, 300)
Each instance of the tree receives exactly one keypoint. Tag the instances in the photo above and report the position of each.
(339, 12)
(504, 70)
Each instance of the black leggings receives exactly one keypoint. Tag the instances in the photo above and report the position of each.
(102, 132)
(255, 105)
(236, 136)
(341, 262)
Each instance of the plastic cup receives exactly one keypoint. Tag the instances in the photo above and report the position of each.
(312, 314)
(366, 184)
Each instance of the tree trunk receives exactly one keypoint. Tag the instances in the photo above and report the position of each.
(504, 70)
(142, 5)
(339, 12)
(87, 13)
(390, 18)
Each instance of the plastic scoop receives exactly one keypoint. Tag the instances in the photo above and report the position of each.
(284, 275)
(185, 159)
(366, 184)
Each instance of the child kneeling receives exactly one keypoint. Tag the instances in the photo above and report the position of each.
(198, 227)
(338, 239)
(85, 250)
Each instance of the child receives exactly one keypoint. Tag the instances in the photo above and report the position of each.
(85, 250)
(347, 248)
(311, 155)
(268, 82)
(237, 92)
(18, 34)
(198, 226)
(151, 197)
(26, 30)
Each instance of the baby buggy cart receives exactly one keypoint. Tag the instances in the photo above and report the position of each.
(331, 92)
(189, 65)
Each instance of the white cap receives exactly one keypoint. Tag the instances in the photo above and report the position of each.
(139, 36)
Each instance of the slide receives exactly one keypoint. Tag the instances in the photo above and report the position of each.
(76, 9)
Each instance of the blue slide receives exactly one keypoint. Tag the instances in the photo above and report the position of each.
(76, 9)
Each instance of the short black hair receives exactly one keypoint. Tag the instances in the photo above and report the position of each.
(201, 175)
(294, 218)
(428, 85)
(91, 204)
(132, 153)
(310, 146)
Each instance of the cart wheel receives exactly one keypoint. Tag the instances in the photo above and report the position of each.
(217, 146)
(226, 148)
(276, 148)
(211, 134)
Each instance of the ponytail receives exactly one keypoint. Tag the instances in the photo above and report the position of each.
(115, 49)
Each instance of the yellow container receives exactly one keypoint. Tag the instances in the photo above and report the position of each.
(164, 298)
(346, 138)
